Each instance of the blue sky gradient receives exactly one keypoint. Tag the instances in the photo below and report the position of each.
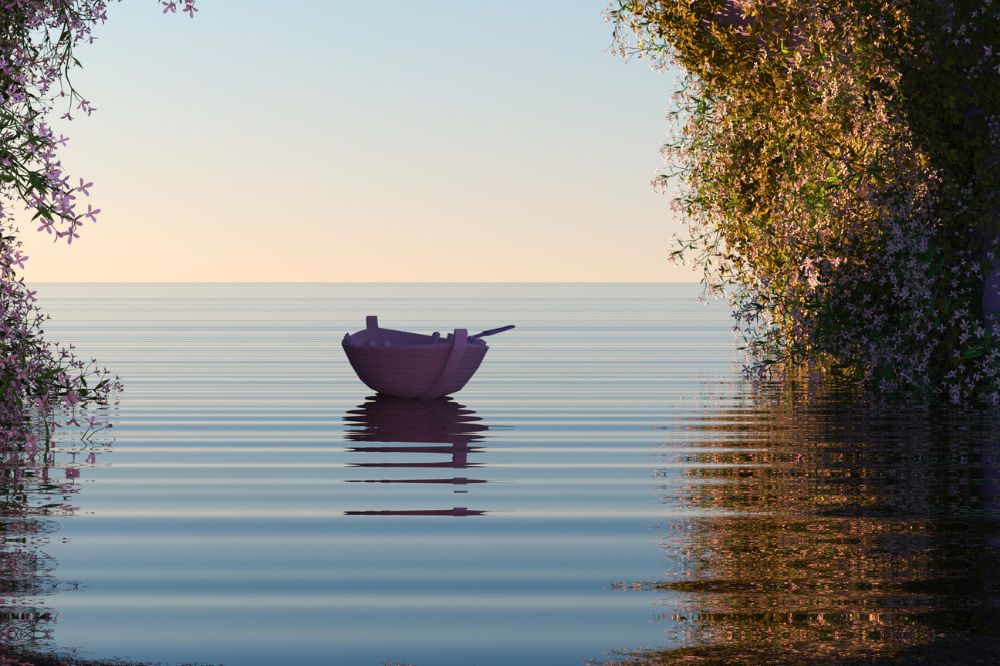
(315, 140)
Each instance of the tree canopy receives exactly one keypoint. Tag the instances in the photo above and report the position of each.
(840, 179)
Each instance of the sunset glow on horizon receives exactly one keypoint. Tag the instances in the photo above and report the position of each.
(331, 142)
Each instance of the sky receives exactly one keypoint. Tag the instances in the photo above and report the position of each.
(333, 141)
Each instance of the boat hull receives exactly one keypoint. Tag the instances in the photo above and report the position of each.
(410, 365)
(410, 372)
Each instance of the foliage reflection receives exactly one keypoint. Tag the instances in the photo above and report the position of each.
(832, 531)
(38, 482)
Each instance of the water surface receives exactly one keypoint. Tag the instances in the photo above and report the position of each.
(606, 489)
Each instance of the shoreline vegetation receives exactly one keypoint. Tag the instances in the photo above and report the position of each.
(30, 658)
(839, 166)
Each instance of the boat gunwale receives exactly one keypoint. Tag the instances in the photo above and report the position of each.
(444, 343)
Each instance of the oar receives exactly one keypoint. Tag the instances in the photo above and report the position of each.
(492, 331)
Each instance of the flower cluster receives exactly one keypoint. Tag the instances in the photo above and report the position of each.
(187, 7)
(37, 41)
(840, 163)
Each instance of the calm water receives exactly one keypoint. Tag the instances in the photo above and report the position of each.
(606, 489)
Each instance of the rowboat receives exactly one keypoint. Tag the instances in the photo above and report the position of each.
(412, 365)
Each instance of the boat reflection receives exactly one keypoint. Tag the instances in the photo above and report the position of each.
(440, 427)
(457, 511)
(832, 532)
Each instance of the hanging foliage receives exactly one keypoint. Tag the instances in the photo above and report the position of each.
(39, 379)
(839, 175)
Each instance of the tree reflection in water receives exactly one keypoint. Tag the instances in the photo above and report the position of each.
(430, 428)
(38, 482)
(832, 532)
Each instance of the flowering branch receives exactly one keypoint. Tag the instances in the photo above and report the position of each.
(37, 42)
(839, 163)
